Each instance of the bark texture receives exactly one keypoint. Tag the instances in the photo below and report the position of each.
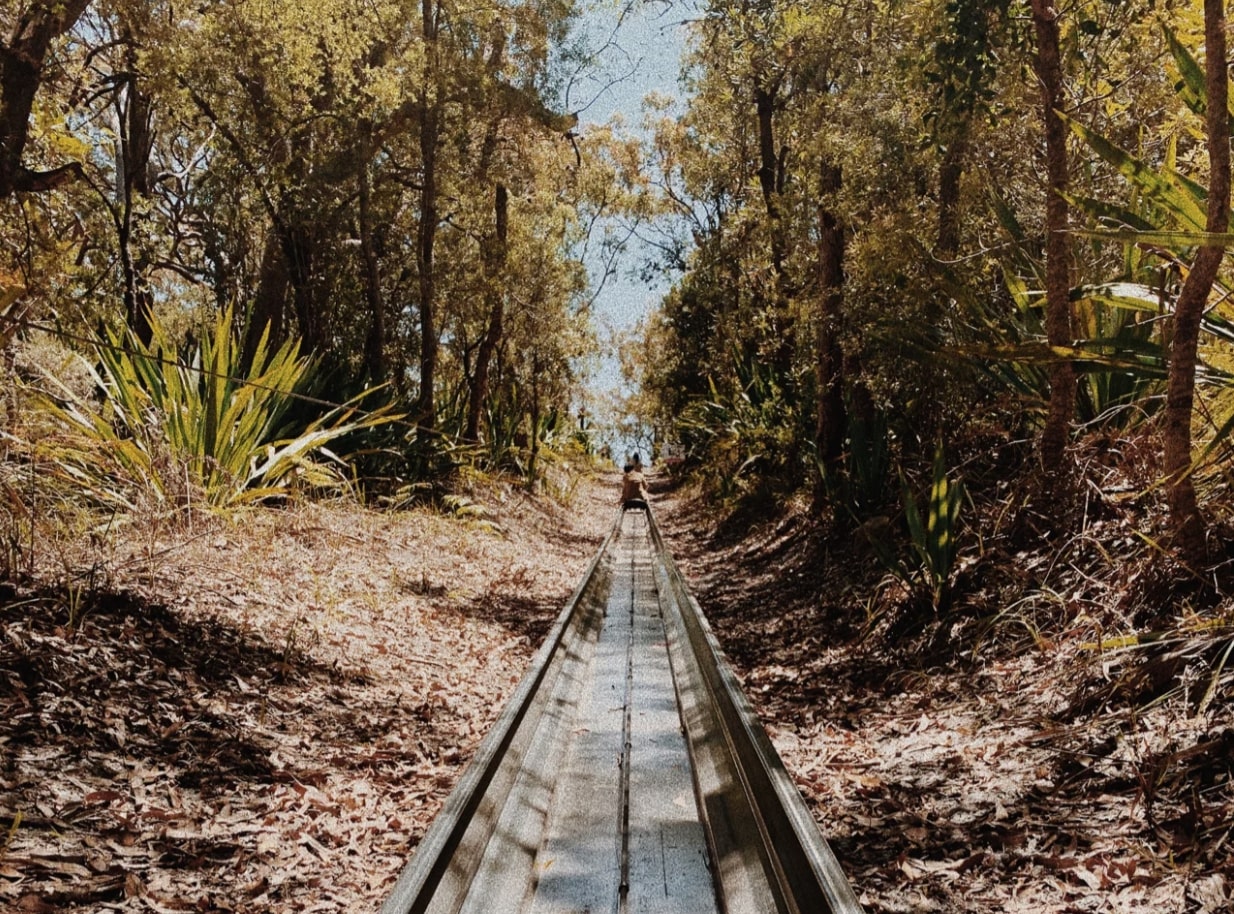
(1058, 323)
(1188, 529)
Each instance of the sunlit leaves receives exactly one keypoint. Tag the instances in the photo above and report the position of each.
(934, 533)
(209, 430)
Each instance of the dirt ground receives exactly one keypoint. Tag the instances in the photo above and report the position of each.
(956, 773)
(263, 713)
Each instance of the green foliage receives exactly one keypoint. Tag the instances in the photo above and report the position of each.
(1123, 366)
(934, 536)
(962, 66)
(432, 466)
(745, 440)
(213, 429)
(1190, 85)
(292, 176)
(1118, 355)
(503, 434)
(1169, 225)
(1180, 198)
(860, 491)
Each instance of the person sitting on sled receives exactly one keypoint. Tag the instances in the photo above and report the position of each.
(633, 487)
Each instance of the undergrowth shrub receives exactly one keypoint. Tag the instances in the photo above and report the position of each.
(933, 534)
(745, 443)
(212, 430)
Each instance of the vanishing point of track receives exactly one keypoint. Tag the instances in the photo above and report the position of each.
(627, 774)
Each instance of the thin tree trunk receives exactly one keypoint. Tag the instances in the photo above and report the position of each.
(769, 170)
(299, 242)
(494, 267)
(426, 234)
(136, 136)
(828, 367)
(494, 256)
(375, 340)
(533, 461)
(1185, 519)
(771, 180)
(1058, 323)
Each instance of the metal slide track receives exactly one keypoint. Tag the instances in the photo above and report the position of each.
(627, 774)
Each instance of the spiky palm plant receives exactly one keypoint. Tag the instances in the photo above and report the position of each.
(214, 425)
(934, 534)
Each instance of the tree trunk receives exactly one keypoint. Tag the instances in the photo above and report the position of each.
(771, 179)
(1188, 529)
(135, 119)
(1058, 323)
(494, 267)
(270, 301)
(828, 368)
(533, 461)
(22, 58)
(375, 340)
(494, 256)
(427, 231)
(299, 244)
(769, 170)
(950, 173)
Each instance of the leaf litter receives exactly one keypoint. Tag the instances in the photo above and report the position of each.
(958, 770)
(268, 715)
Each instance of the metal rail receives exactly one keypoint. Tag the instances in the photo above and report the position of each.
(628, 773)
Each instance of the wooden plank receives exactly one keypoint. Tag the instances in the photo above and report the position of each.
(668, 871)
(577, 868)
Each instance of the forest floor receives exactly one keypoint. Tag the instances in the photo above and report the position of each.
(989, 757)
(263, 713)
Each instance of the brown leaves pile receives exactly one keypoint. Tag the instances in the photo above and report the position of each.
(269, 716)
(953, 774)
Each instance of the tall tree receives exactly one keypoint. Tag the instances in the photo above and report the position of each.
(431, 104)
(1186, 520)
(374, 368)
(1058, 322)
(135, 129)
(495, 255)
(772, 175)
(828, 357)
(959, 73)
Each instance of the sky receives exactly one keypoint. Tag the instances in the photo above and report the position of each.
(644, 56)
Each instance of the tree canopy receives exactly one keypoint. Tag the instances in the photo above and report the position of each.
(888, 227)
(960, 225)
(392, 185)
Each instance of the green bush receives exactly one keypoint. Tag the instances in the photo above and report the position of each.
(214, 429)
(934, 535)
